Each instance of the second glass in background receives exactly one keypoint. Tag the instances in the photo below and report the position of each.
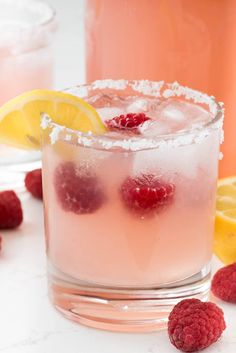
(26, 62)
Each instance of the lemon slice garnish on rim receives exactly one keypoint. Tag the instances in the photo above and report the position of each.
(20, 117)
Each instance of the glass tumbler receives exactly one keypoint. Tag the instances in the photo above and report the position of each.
(26, 62)
(112, 264)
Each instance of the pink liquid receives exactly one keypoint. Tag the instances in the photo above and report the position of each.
(189, 41)
(116, 248)
(18, 74)
(24, 72)
(26, 33)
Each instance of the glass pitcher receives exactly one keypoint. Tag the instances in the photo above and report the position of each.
(192, 42)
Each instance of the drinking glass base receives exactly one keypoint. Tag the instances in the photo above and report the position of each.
(125, 310)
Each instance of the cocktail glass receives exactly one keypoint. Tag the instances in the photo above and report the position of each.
(26, 32)
(116, 260)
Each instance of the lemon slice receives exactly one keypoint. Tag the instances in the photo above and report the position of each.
(225, 224)
(20, 117)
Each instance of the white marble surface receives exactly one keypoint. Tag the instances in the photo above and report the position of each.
(28, 322)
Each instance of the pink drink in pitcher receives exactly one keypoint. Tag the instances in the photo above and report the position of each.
(192, 42)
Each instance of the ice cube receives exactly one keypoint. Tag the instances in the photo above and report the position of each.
(143, 105)
(155, 128)
(184, 113)
(138, 105)
(167, 163)
(109, 113)
(172, 111)
(105, 100)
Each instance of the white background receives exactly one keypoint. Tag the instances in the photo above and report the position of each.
(69, 43)
(28, 323)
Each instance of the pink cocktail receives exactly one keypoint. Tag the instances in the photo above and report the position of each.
(129, 215)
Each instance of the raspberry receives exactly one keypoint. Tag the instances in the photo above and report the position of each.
(130, 122)
(77, 189)
(33, 183)
(223, 283)
(194, 325)
(146, 193)
(11, 214)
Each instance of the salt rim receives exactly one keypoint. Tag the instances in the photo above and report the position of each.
(151, 88)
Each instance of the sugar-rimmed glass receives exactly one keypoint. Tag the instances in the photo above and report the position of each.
(26, 62)
(110, 267)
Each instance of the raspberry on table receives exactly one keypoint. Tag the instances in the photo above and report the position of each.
(223, 284)
(147, 193)
(33, 183)
(130, 122)
(78, 190)
(194, 325)
(11, 215)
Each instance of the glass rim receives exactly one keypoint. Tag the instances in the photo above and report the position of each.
(34, 29)
(139, 142)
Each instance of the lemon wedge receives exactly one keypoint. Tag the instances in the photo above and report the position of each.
(20, 117)
(225, 224)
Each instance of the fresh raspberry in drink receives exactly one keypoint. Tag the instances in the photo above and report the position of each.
(78, 191)
(128, 122)
(147, 193)
(223, 283)
(11, 215)
(194, 325)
